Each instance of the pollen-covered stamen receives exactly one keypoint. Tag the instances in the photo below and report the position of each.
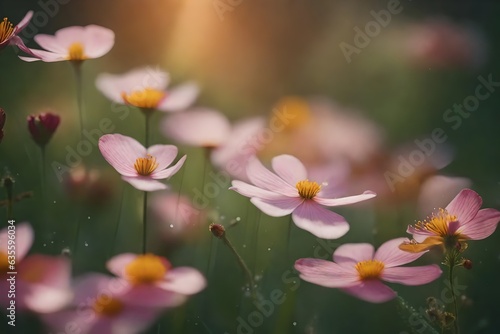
(107, 306)
(76, 52)
(437, 224)
(147, 98)
(308, 189)
(6, 30)
(146, 269)
(145, 166)
(369, 269)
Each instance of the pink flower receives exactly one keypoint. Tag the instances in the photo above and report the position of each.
(9, 34)
(199, 127)
(460, 221)
(75, 44)
(43, 126)
(359, 272)
(100, 306)
(146, 88)
(139, 166)
(42, 282)
(153, 278)
(290, 191)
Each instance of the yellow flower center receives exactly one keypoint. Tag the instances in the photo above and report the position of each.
(107, 306)
(76, 52)
(146, 269)
(369, 269)
(6, 30)
(147, 98)
(292, 111)
(308, 189)
(437, 224)
(145, 166)
(4, 263)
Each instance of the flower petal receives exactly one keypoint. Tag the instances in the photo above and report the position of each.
(183, 280)
(121, 152)
(116, 265)
(24, 22)
(465, 205)
(372, 291)
(289, 168)
(144, 183)
(348, 255)
(345, 200)
(50, 43)
(166, 173)
(276, 207)
(249, 190)
(47, 299)
(69, 35)
(321, 222)
(24, 239)
(48, 57)
(427, 244)
(263, 178)
(326, 273)
(98, 41)
(180, 97)
(149, 295)
(482, 226)
(412, 275)
(391, 255)
(164, 154)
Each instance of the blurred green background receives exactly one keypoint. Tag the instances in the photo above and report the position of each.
(245, 58)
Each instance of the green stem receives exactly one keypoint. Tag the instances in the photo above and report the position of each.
(455, 305)
(144, 222)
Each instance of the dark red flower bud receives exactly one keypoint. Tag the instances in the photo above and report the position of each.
(43, 126)
(467, 264)
(3, 116)
(217, 230)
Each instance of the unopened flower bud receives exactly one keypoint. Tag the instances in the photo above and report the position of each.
(217, 230)
(467, 264)
(3, 117)
(43, 126)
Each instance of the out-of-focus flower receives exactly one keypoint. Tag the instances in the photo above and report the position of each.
(154, 280)
(42, 282)
(460, 221)
(75, 44)
(89, 186)
(43, 126)
(140, 167)
(3, 117)
(100, 307)
(441, 43)
(438, 190)
(200, 127)
(9, 34)
(146, 88)
(358, 270)
(289, 191)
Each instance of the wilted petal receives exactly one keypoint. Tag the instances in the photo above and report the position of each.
(411, 275)
(321, 222)
(427, 244)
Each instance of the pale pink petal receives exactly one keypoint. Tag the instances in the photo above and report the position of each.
(348, 255)
(390, 254)
(54, 271)
(276, 207)
(199, 127)
(465, 205)
(326, 273)
(248, 190)
(98, 41)
(166, 173)
(372, 291)
(96, 285)
(40, 55)
(133, 320)
(121, 152)
(412, 275)
(263, 178)
(180, 97)
(50, 43)
(24, 22)
(149, 295)
(482, 226)
(418, 234)
(345, 200)
(69, 35)
(289, 168)
(164, 154)
(17, 41)
(116, 265)
(46, 299)
(321, 222)
(23, 233)
(183, 280)
(144, 183)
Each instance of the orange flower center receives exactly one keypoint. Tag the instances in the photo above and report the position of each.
(437, 224)
(107, 306)
(145, 166)
(369, 269)
(76, 52)
(147, 98)
(308, 189)
(147, 268)
(6, 30)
